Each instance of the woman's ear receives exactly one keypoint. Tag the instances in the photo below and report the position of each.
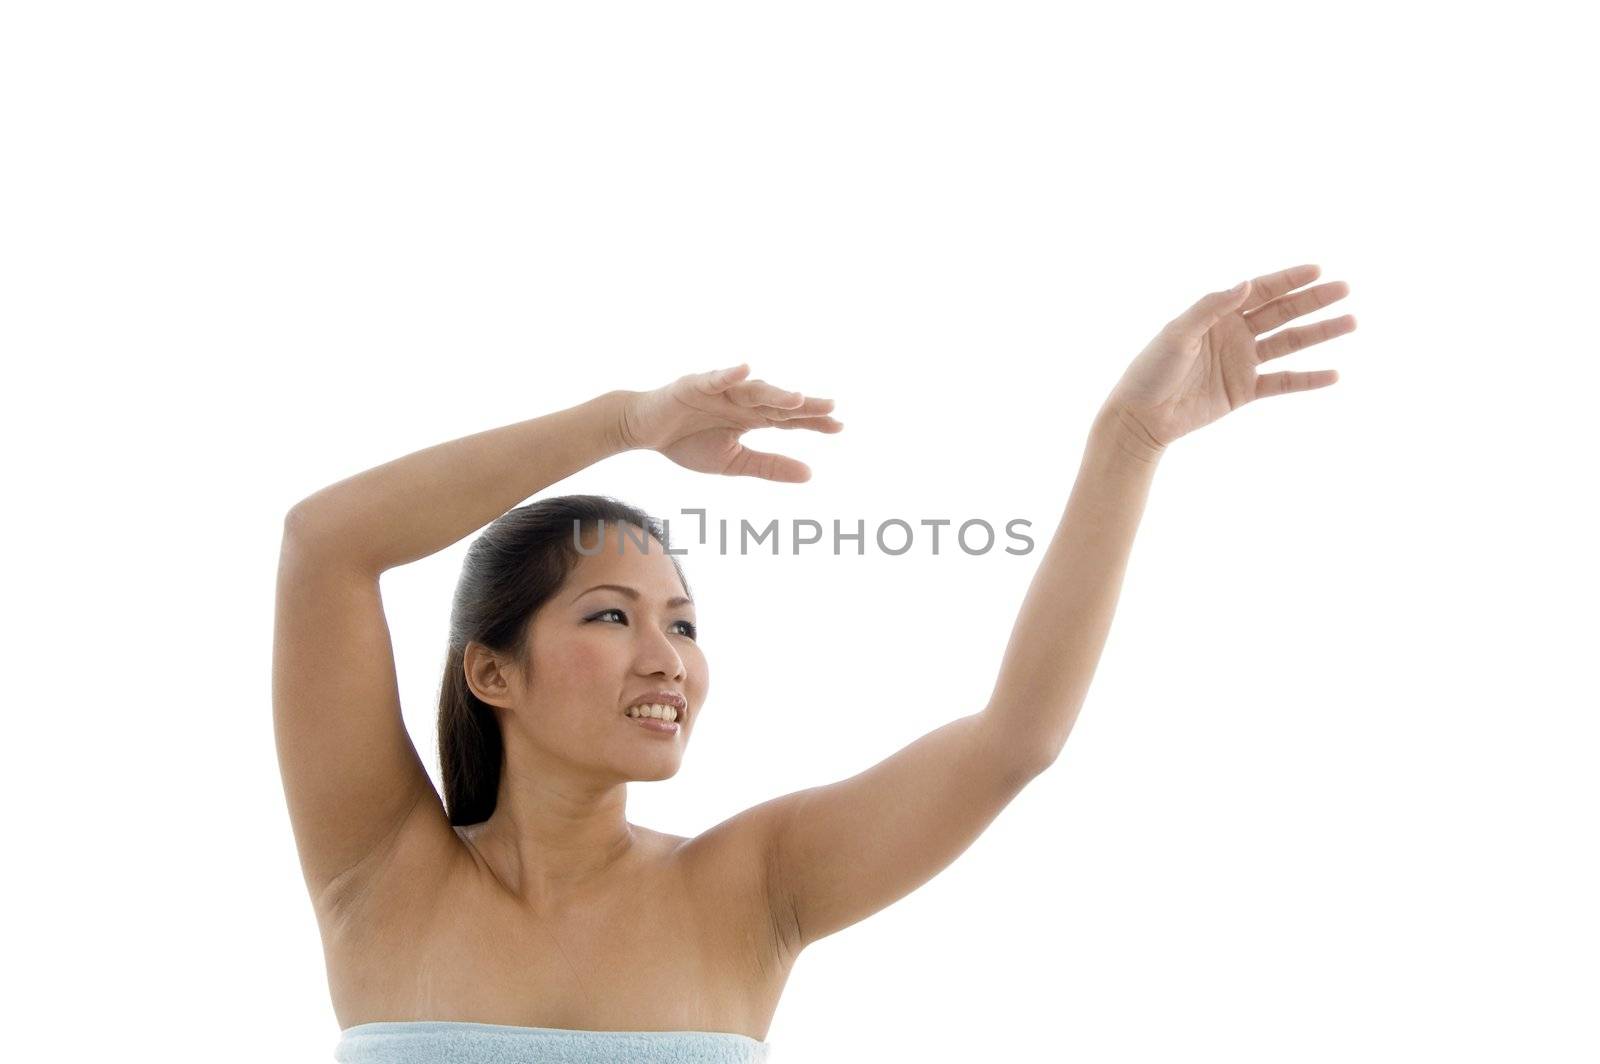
(487, 676)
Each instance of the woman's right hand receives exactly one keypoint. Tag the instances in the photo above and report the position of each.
(697, 420)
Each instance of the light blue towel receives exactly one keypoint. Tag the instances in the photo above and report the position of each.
(459, 1042)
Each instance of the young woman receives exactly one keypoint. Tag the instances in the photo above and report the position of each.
(523, 913)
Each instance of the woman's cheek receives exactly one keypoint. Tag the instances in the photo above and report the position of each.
(699, 671)
(587, 657)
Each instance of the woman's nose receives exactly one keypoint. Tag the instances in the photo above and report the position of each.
(657, 655)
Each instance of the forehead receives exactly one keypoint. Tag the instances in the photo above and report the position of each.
(625, 561)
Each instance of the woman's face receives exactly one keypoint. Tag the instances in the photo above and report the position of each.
(595, 650)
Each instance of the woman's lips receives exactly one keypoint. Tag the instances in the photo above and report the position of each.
(656, 727)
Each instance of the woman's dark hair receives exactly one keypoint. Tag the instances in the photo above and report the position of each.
(516, 564)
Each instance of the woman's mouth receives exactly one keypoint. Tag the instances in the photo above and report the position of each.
(658, 727)
(658, 718)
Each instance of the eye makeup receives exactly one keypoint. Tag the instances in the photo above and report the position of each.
(692, 629)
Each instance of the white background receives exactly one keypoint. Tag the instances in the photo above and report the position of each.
(1331, 796)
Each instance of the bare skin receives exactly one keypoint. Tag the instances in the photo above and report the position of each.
(559, 912)
(600, 923)
(663, 940)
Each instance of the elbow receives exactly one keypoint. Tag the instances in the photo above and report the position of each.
(299, 527)
(294, 522)
(1019, 747)
(308, 538)
(1040, 760)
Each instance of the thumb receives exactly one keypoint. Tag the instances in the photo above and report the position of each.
(1198, 319)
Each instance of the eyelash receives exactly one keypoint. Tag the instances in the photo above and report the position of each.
(692, 633)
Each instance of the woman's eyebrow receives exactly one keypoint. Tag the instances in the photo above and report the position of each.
(633, 594)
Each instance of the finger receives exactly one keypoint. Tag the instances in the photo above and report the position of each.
(1270, 286)
(1289, 340)
(809, 408)
(1292, 381)
(719, 380)
(1286, 308)
(760, 393)
(1210, 309)
(820, 424)
(776, 467)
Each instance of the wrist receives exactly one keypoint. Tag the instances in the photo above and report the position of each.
(620, 435)
(1123, 432)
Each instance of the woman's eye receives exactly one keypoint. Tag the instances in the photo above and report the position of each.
(690, 628)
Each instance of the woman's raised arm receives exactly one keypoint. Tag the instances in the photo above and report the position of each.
(1201, 366)
(351, 776)
(838, 853)
(419, 504)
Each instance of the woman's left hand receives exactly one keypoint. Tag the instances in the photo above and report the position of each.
(1203, 364)
(697, 420)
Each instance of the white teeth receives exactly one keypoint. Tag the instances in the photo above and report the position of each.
(659, 712)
